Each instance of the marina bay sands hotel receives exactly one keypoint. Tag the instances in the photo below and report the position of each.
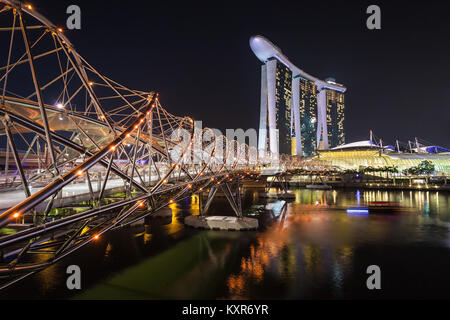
(299, 113)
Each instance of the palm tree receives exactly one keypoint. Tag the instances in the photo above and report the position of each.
(393, 170)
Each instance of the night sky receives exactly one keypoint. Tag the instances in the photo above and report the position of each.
(197, 56)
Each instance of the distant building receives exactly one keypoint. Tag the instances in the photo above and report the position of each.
(363, 154)
(283, 107)
(308, 116)
(298, 113)
(278, 91)
(335, 117)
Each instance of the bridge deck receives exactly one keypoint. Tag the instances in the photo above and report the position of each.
(70, 193)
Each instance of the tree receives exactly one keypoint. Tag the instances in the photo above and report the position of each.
(426, 167)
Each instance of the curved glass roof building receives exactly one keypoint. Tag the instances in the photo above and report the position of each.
(360, 158)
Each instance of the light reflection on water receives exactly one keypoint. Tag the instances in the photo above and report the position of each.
(312, 252)
(315, 250)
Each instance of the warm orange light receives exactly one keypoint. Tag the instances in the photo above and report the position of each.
(29, 6)
(16, 215)
(200, 189)
(80, 172)
(142, 120)
(171, 201)
(96, 237)
(113, 148)
(136, 126)
(128, 135)
(141, 204)
(165, 181)
(60, 29)
(212, 179)
(189, 186)
(91, 83)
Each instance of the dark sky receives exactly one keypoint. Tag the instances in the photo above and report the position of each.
(196, 54)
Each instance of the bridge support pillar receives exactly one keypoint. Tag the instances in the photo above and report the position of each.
(211, 195)
(231, 192)
(234, 198)
(282, 181)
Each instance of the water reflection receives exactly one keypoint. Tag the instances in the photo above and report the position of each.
(313, 250)
(313, 254)
(423, 201)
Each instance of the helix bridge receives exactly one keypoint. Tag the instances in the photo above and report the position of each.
(89, 138)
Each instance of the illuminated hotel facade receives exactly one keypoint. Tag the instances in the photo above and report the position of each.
(298, 113)
(308, 118)
(283, 79)
(335, 117)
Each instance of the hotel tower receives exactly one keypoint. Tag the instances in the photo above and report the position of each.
(299, 113)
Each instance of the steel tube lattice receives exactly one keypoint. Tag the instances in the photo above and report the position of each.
(83, 129)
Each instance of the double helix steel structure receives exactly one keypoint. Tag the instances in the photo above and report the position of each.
(89, 137)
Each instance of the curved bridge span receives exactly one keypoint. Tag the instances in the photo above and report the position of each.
(92, 137)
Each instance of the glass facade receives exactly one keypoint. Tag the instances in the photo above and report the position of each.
(335, 118)
(356, 159)
(308, 105)
(308, 116)
(283, 107)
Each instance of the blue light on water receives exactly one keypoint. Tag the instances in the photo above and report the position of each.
(358, 196)
(427, 208)
(358, 211)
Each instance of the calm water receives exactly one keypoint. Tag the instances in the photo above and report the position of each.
(316, 250)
